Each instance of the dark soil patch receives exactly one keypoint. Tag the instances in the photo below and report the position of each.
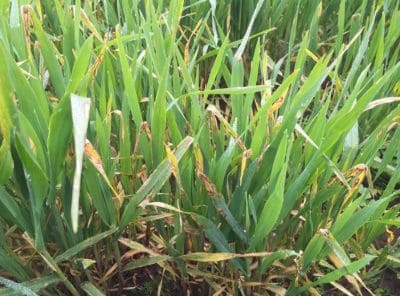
(389, 284)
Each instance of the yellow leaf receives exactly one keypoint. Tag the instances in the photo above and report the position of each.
(246, 156)
(173, 162)
(199, 159)
(95, 159)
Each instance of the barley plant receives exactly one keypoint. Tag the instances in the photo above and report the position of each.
(199, 147)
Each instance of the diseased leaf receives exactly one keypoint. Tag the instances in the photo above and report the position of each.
(154, 183)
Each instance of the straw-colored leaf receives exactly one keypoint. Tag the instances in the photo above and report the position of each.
(80, 108)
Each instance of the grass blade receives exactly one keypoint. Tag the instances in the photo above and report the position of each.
(17, 287)
(80, 108)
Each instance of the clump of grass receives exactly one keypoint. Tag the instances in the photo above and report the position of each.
(235, 147)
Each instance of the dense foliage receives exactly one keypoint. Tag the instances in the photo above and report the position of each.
(227, 147)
